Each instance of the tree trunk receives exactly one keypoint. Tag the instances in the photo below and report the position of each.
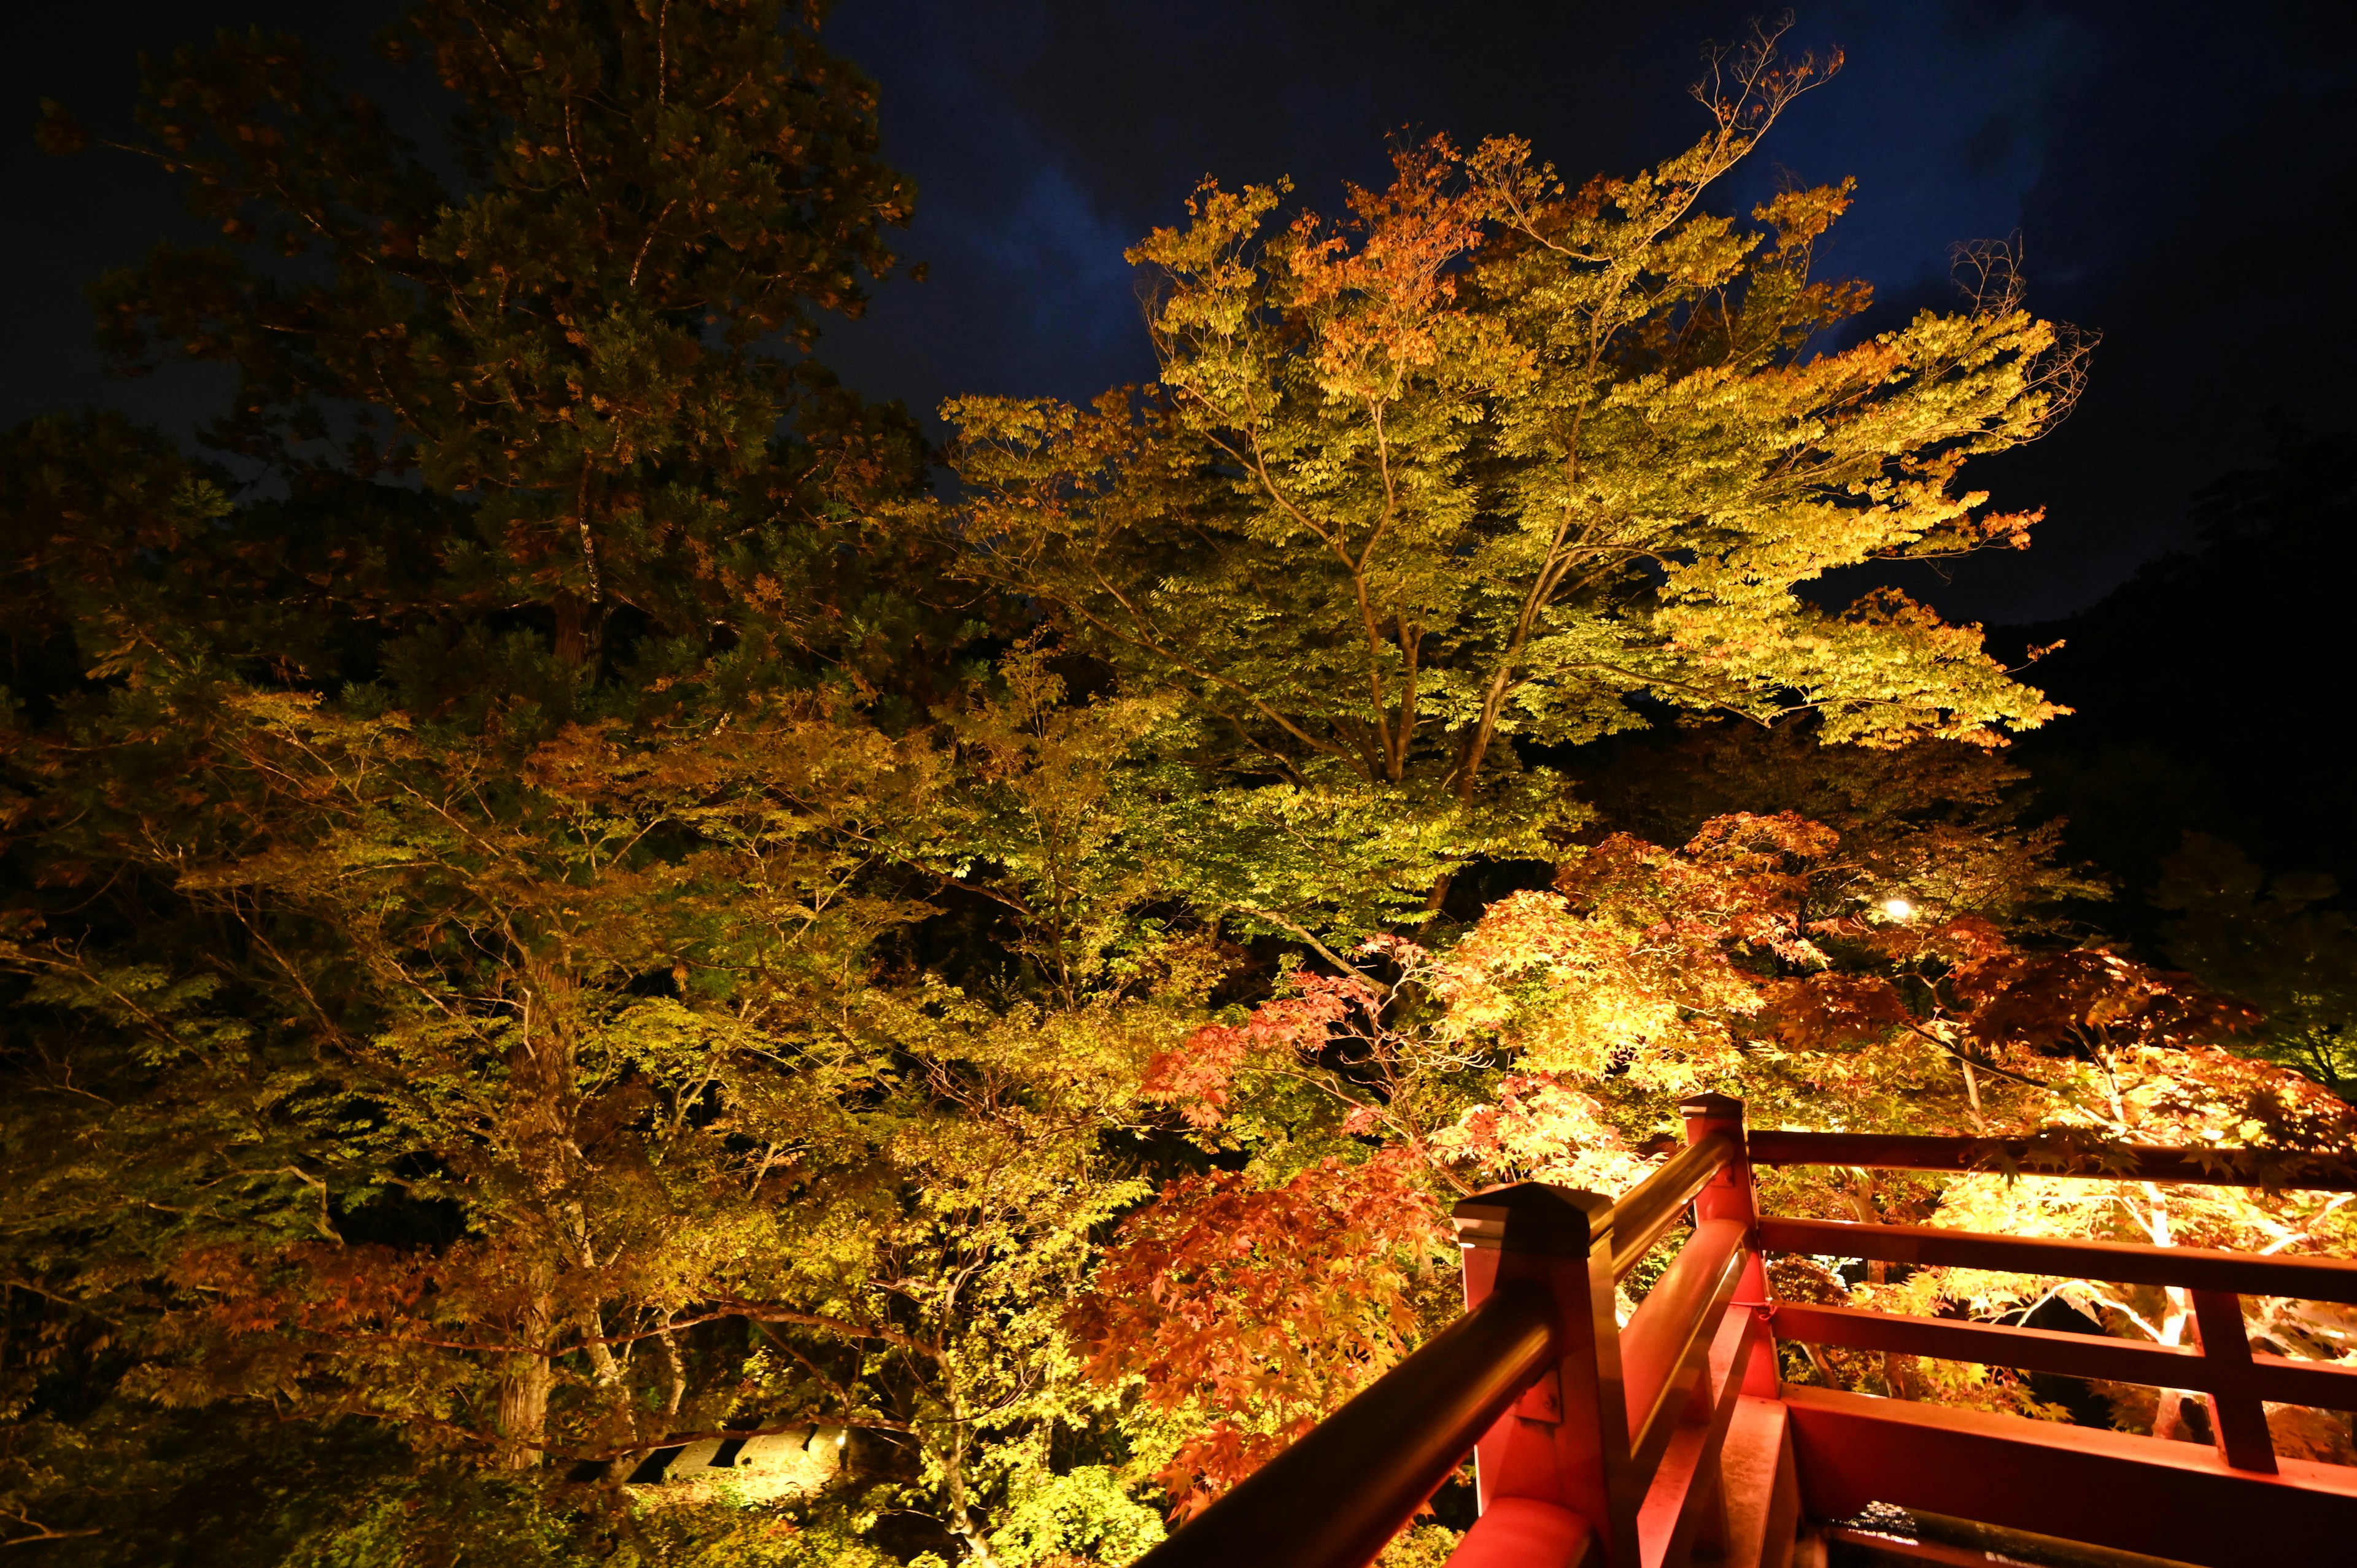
(578, 627)
(538, 1133)
(961, 1521)
(2170, 1421)
(529, 1375)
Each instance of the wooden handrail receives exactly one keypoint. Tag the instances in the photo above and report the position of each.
(2122, 1262)
(1639, 1217)
(1664, 1343)
(1573, 1414)
(1600, 1437)
(1348, 1485)
(1644, 1214)
(2052, 1156)
(2237, 1381)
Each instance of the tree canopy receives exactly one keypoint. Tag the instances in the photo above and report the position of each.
(563, 908)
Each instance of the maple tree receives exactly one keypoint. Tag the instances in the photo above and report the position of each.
(1492, 456)
(1893, 984)
(1248, 1312)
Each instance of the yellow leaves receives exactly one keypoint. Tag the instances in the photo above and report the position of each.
(1884, 672)
(1222, 220)
(1703, 253)
(1482, 460)
(1541, 1129)
(1627, 983)
(1800, 216)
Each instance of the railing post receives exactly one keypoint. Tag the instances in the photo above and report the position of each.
(1729, 1196)
(2238, 1420)
(1566, 1442)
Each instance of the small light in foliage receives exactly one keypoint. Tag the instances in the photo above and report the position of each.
(1898, 909)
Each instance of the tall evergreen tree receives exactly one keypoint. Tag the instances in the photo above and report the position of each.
(446, 870)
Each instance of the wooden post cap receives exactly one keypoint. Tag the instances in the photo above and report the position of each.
(1530, 1216)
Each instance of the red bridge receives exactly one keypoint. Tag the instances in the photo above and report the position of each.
(1671, 1441)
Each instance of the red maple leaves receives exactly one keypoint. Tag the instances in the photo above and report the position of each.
(1249, 1313)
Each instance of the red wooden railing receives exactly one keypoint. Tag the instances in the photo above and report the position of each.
(1671, 1440)
(2238, 1504)
(1624, 1456)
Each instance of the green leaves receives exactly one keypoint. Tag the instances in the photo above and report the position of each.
(1487, 462)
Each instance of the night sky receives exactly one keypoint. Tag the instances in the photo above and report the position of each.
(2181, 176)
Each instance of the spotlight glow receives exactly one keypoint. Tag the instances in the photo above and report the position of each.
(1898, 909)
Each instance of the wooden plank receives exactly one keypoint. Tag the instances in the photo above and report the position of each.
(2111, 1489)
(1523, 1532)
(2284, 1381)
(2275, 1378)
(1685, 1501)
(2303, 1279)
(1763, 1497)
(1993, 1344)
(1675, 1321)
(2113, 1162)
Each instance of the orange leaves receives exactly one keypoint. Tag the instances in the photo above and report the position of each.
(1638, 965)
(1196, 1076)
(1261, 1308)
(2005, 530)
(1381, 307)
(1820, 1011)
(1669, 970)
(382, 1323)
(1217, 1284)
(315, 1286)
(1752, 872)
(1370, 299)
(2068, 1003)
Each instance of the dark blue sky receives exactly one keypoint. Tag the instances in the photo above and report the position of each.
(2181, 175)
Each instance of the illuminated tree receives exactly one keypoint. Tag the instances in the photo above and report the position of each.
(452, 901)
(1552, 1042)
(1493, 457)
(537, 935)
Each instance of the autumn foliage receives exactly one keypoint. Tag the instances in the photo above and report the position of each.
(1246, 1313)
(562, 906)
